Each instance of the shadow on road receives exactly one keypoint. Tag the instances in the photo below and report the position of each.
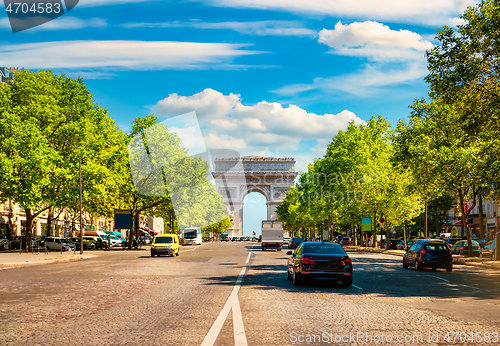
(381, 276)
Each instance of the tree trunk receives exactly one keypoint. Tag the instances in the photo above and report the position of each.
(29, 228)
(374, 229)
(481, 221)
(404, 234)
(464, 224)
(11, 223)
(50, 217)
(425, 224)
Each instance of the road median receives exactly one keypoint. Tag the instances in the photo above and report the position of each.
(473, 261)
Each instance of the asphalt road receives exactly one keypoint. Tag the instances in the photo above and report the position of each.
(235, 294)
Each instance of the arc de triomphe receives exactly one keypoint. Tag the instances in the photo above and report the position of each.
(237, 177)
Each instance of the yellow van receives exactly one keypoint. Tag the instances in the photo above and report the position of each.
(165, 244)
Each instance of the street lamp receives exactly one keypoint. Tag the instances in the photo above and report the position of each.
(80, 173)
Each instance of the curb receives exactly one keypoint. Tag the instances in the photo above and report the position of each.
(45, 261)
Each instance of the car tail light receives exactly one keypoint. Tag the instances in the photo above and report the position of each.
(423, 251)
(345, 262)
(462, 248)
(305, 260)
(449, 251)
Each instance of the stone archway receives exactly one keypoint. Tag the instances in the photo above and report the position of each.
(237, 177)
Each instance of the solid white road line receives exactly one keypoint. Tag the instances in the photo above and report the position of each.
(437, 277)
(232, 303)
(359, 288)
(240, 338)
(476, 288)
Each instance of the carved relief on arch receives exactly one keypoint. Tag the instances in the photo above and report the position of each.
(263, 189)
(279, 193)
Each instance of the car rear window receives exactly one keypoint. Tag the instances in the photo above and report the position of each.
(163, 240)
(327, 248)
(436, 247)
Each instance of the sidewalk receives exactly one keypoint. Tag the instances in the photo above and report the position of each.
(473, 261)
(15, 259)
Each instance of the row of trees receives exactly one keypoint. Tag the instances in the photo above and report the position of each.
(449, 147)
(49, 123)
(356, 178)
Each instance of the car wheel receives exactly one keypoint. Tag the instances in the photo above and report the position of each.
(417, 266)
(296, 278)
(347, 282)
(449, 268)
(288, 276)
(405, 266)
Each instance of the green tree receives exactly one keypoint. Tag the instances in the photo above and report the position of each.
(38, 109)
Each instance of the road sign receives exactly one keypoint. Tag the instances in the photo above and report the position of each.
(332, 224)
(382, 220)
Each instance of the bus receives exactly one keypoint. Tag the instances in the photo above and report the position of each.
(191, 236)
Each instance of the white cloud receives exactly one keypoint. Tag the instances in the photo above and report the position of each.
(94, 3)
(264, 127)
(208, 104)
(261, 28)
(366, 82)
(396, 57)
(62, 23)
(125, 55)
(429, 12)
(375, 41)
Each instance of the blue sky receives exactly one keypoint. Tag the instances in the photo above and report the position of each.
(265, 77)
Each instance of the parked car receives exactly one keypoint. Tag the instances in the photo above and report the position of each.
(400, 245)
(59, 243)
(482, 242)
(294, 242)
(392, 243)
(452, 241)
(165, 244)
(5, 244)
(319, 260)
(241, 238)
(461, 247)
(428, 254)
(87, 244)
(488, 251)
(286, 240)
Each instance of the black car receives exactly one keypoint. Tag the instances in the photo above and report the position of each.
(392, 243)
(319, 260)
(428, 254)
(294, 242)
